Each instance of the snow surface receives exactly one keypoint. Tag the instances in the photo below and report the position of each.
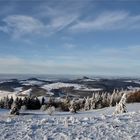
(90, 125)
(18, 91)
(58, 85)
(26, 92)
(31, 82)
(133, 81)
(6, 93)
(88, 80)
(91, 89)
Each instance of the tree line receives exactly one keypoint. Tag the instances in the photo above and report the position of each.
(97, 101)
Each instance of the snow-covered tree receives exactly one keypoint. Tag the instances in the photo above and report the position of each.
(112, 102)
(87, 104)
(99, 101)
(14, 109)
(105, 101)
(65, 104)
(93, 102)
(121, 107)
(73, 107)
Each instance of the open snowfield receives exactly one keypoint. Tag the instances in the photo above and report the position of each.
(91, 125)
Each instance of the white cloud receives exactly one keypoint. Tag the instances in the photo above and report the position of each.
(59, 17)
(46, 18)
(111, 20)
(59, 23)
(20, 26)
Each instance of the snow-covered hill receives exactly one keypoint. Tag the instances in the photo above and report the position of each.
(91, 125)
(59, 85)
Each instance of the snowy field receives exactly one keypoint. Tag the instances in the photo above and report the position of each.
(90, 125)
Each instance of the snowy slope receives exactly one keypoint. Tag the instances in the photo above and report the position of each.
(31, 82)
(6, 93)
(58, 85)
(91, 125)
(26, 92)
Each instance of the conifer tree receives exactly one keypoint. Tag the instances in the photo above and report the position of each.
(87, 104)
(73, 107)
(121, 106)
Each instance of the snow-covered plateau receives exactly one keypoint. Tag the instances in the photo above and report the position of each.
(85, 125)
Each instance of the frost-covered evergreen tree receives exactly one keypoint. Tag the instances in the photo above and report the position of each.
(6, 100)
(112, 102)
(121, 107)
(106, 99)
(87, 104)
(73, 107)
(93, 102)
(14, 109)
(99, 101)
(65, 104)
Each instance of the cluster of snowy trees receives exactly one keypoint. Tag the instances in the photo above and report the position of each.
(97, 101)
(30, 103)
(6, 102)
(100, 100)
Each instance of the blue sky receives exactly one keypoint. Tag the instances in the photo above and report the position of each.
(84, 37)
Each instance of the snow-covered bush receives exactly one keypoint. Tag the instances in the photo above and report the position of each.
(66, 122)
(23, 108)
(121, 107)
(43, 107)
(51, 110)
(14, 110)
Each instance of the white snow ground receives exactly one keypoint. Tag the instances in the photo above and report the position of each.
(89, 125)
(58, 85)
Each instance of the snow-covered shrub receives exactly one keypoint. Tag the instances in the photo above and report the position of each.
(23, 108)
(121, 107)
(51, 110)
(14, 110)
(43, 107)
(66, 122)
